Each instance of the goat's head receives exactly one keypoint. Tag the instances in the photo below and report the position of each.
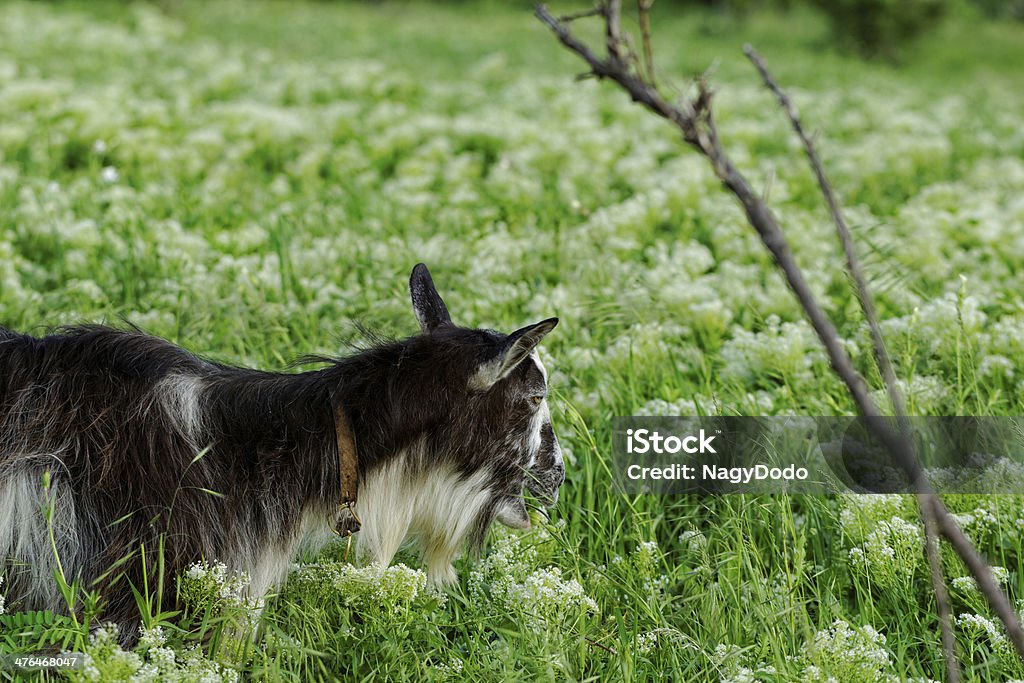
(453, 429)
(499, 387)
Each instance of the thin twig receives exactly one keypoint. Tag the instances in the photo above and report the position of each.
(846, 239)
(925, 502)
(613, 33)
(592, 12)
(603, 647)
(926, 506)
(698, 130)
(643, 8)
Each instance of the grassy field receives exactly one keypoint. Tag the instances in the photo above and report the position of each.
(250, 179)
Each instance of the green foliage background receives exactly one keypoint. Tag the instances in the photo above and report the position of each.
(248, 179)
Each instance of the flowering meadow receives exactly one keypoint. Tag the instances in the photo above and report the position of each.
(256, 180)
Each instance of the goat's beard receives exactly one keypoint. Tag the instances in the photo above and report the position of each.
(513, 513)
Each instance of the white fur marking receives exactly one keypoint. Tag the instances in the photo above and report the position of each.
(271, 566)
(179, 396)
(436, 508)
(540, 366)
(24, 538)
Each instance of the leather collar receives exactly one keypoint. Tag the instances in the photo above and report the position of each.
(348, 468)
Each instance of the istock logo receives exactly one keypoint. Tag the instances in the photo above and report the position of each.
(640, 441)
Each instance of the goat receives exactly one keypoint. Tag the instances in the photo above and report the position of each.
(144, 445)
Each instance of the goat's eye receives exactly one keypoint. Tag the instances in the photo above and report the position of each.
(536, 400)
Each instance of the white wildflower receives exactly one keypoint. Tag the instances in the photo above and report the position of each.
(450, 670)
(693, 540)
(849, 653)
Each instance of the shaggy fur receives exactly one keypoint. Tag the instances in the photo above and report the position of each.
(136, 433)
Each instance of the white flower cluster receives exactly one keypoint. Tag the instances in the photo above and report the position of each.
(844, 653)
(979, 523)
(891, 553)
(924, 394)
(214, 576)
(646, 642)
(693, 540)
(977, 626)
(508, 582)
(153, 661)
(968, 584)
(860, 513)
(732, 661)
(394, 590)
(743, 674)
(931, 324)
(448, 671)
(985, 474)
(210, 586)
(214, 580)
(780, 352)
(544, 598)
(724, 652)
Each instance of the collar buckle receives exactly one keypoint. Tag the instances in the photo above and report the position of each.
(348, 521)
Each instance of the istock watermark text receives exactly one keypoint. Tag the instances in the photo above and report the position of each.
(641, 441)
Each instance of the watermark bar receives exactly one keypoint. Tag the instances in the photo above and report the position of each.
(812, 455)
(64, 661)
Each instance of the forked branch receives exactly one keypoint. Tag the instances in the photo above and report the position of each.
(694, 119)
(925, 502)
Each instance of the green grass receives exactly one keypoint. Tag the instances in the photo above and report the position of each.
(274, 170)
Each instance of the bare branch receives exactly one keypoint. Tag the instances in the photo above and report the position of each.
(925, 502)
(638, 90)
(926, 506)
(644, 14)
(607, 649)
(592, 12)
(852, 262)
(695, 121)
(698, 129)
(613, 33)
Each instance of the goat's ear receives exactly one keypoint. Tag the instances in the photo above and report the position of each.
(516, 348)
(426, 302)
